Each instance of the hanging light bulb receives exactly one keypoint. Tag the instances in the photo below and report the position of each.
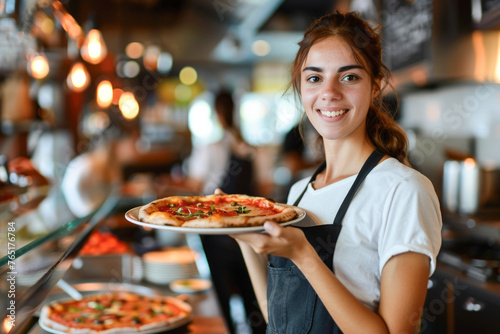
(78, 78)
(128, 105)
(104, 94)
(38, 66)
(94, 49)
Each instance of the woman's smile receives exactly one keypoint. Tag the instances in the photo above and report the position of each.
(335, 113)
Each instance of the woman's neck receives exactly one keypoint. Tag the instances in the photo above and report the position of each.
(343, 159)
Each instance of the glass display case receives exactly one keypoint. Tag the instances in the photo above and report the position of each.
(40, 236)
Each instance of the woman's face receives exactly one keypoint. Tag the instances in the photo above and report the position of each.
(336, 91)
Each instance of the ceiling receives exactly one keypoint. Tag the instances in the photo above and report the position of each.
(202, 30)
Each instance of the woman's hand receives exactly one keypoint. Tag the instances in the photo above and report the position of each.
(219, 192)
(282, 241)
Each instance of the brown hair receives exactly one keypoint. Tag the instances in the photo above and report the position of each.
(387, 137)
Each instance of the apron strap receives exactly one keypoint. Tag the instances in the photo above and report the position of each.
(313, 177)
(369, 164)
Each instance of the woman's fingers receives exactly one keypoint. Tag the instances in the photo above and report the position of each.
(258, 241)
(218, 191)
(273, 229)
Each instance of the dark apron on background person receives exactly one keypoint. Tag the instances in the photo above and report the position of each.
(293, 305)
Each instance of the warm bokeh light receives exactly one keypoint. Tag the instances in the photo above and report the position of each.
(104, 94)
(94, 49)
(128, 105)
(134, 50)
(188, 76)
(117, 93)
(469, 163)
(261, 48)
(78, 78)
(497, 69)
(150, 59)
(38, 67)
(67, 21)
(7, 324)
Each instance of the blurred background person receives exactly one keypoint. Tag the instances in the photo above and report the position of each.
(226, 164)
(302, 150)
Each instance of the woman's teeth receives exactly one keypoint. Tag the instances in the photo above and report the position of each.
(333, 113)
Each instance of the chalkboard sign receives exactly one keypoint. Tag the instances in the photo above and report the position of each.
(406, 32)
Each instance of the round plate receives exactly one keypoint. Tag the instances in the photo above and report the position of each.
(151, 331)
(132, 216)
(190, 285)
(99, 288)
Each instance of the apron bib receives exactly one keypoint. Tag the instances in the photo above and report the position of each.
(293, 305)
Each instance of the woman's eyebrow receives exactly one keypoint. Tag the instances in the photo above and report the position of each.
(341, 69)
(312, 68)
(348, 67)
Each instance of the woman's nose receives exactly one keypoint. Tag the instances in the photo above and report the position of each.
(331, 90)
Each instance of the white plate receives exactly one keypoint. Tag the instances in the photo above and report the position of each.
(151, 331)
(132, 216)
(121, 287)
(190, 285)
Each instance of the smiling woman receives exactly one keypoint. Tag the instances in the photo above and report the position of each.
(359, 262)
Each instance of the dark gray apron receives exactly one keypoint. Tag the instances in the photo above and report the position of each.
(293, 305)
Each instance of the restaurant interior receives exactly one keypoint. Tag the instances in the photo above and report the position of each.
(104, 105)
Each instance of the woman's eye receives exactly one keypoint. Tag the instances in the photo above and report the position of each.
(349, 77)
(313, 79)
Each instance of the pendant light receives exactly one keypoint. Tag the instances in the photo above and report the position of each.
(78, 78)
(94, 49)
(104, 94)
(38, 66)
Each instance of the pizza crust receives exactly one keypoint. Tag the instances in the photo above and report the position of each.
(173, 322)
(152, 214)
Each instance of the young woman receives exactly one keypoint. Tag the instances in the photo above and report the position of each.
(360, 260)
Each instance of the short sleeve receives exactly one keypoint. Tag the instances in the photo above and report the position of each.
(412, 221)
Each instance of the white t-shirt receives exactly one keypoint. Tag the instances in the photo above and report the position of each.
(395, 210)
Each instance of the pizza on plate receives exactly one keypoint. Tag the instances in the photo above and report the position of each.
(107, 313)
(215, 211)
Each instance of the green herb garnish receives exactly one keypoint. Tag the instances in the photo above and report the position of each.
(199, 205)
(197, 213)
(241, 210)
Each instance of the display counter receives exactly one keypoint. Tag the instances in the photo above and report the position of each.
(41, 243)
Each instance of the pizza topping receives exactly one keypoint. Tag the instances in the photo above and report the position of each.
(241, 210)
(215, 211)
(127, 310)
